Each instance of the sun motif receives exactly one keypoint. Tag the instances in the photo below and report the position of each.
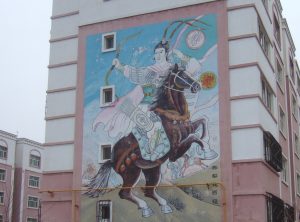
(208, 80)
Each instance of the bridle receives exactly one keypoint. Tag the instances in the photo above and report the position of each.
(176, 74)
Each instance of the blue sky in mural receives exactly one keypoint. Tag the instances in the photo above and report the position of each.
(137, 52)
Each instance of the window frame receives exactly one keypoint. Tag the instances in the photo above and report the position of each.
(2, 198)
(267, 95)
(4, 170)
(264, 39)
(294, 106)
(39, 161)
(3, 152)
(38, 199)
(279, 75)
(282, 122)
(103, 103)
(31, 218)
(104, 39)
(98, 211)
(292, 68)
(285, 170)
(298, 183)
(100, 152)
(277, 30)
(38, 186)
(297, 144)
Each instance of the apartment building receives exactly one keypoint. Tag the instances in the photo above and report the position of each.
(171, 111)
(7, 171)
(28, 178)
(20, 178)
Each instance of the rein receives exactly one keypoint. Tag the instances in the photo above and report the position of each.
(174, 115)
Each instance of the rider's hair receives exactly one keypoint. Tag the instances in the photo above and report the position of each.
(164, 45)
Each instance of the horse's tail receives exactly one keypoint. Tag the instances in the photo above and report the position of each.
(99, 184)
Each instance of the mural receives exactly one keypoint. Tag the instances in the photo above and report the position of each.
(163, 123)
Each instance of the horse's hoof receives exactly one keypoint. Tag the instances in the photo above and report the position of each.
(166, 209)
(147, 212)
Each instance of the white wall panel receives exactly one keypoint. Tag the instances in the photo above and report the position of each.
(251, 112)
(98, 10)
(65, 160)
(245, 112)
(63, 51)
(248, 50)
(247, 144)
(238, 26)
(64, 26)
(61, 103)
(64, 6)
(62, 77)
(60, 130)
(244, 81)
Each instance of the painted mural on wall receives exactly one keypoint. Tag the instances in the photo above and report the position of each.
(163, 123)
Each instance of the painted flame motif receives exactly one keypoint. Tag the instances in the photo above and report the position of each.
(208, 80)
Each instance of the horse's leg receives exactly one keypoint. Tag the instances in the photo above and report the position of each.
(130, 178)
(183, 146)
(153, 177)
(195, 125)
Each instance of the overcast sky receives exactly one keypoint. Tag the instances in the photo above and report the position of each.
(24, 56)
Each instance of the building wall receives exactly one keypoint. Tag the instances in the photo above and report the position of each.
(244, 115)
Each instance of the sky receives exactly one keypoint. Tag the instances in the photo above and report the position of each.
(24, 57)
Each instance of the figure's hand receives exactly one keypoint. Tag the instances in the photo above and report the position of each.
(177, 53)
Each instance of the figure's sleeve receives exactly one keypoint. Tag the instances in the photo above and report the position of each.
(140, 76)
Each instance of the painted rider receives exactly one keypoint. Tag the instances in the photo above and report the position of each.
(149, 131)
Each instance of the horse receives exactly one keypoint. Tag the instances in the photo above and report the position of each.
(172, 108)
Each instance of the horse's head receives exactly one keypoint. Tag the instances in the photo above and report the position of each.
(180, 80)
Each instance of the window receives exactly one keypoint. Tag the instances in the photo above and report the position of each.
(298, 183)
(289, 213)
(2, 174)
(32, 202)
(285, 171)
(107, 95)
(273, 150)
(296, 142)
(109, 42)
(30, 219)
(103, 213)
(263, 38)
(34, 181)
(279, 74)
(104, 153)
(267, 95)
(292, 69)
(1, 218)
(277, 30)
(298, 84)
(282, 120)
(275, 209)
(3, 152)
(35, 161)
(294, 106)
(1, 197)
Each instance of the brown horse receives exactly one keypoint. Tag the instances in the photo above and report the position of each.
(127, 161)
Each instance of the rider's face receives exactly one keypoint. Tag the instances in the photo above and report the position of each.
(160, 55)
